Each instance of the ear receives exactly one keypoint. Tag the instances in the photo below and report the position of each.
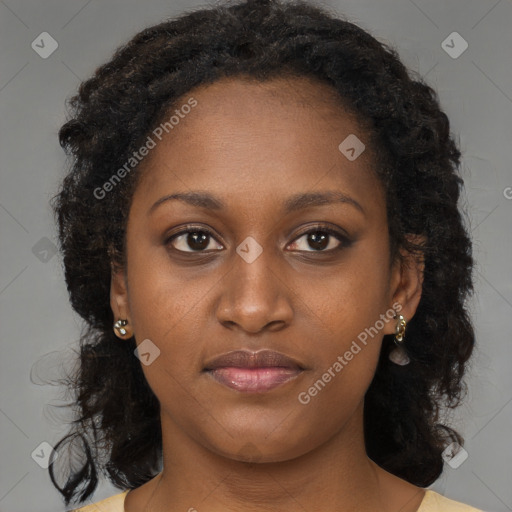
(119, 295)
(406, 282)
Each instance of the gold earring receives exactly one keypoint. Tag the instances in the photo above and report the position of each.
(400, 329)
(120, 328)
(398, 355)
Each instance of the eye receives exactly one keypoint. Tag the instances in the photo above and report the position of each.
(198, 240)
(320, 239)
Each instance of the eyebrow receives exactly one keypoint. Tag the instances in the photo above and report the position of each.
(291, 204)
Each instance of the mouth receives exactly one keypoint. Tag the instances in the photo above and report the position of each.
(254, 372)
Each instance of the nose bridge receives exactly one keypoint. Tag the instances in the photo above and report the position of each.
(253, 295)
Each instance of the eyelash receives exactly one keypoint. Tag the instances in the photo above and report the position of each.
(344, 240)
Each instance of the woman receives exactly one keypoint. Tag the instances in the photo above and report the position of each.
(303, 360)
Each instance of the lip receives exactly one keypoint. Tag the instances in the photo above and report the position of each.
(249, 359)
(248, 371)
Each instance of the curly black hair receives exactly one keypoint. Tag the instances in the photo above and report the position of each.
(117, 429)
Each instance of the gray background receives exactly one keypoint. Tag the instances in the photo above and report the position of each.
(36, 320)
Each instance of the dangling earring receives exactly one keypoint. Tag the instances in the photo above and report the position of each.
(120, 328)
(398, 355)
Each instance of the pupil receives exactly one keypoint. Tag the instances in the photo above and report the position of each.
(194, 243)
(199, 240)
(318, 242)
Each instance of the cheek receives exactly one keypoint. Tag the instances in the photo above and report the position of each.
(353, 296)
(161, 298)
(345, 364)
(166, 309)
(349, 307)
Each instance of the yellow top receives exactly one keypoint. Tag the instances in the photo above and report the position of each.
(432, 502)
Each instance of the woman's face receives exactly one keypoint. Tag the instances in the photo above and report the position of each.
(258, 157)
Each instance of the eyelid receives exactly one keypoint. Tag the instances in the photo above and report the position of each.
(190, 228)
(341, 236)
(326, 228)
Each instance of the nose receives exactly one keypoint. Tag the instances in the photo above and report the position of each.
(254, 297)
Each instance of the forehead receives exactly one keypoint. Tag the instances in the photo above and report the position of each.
(257, 138)
(288, 92)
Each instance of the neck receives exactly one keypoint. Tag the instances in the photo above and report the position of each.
(338, 473)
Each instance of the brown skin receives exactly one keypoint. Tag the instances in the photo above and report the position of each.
(252, 146)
